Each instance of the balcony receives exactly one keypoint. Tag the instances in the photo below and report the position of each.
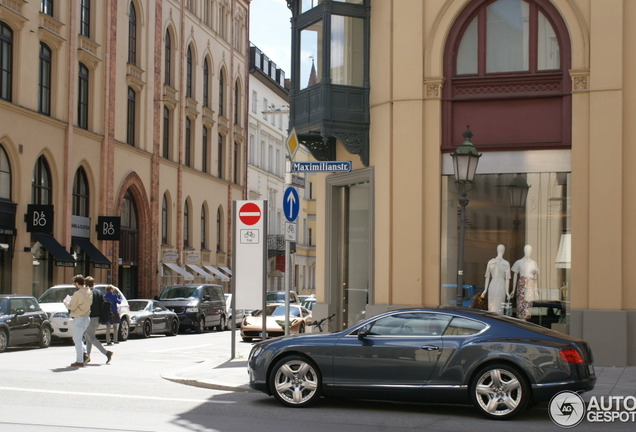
(276, 245)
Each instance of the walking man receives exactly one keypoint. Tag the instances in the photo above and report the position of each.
(79, 306)
(91, 339)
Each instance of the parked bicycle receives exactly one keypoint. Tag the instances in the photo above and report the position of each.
(322, 322)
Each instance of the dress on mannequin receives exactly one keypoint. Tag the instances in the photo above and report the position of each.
(497, 281)
(527, 271)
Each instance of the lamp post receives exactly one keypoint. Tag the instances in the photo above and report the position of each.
(518, 192)
(465, 160)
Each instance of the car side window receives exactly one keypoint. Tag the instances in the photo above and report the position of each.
(411, 324)
(16, 305)
(32, 305)
(463, 326)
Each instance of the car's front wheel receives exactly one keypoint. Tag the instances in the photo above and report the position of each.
(146, 330)
(174, 327)
(45, 337)
(124, 330)
(295, 381)
(500, 391)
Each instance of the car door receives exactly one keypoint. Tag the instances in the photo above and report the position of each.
(36, 318)
(159, 317)
(20, 321)
(399, 351)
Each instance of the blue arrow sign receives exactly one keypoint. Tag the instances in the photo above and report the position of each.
(291, 204)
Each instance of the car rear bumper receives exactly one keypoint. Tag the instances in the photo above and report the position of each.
(545, 392)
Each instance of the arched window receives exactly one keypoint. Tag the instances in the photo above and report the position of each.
(164, 220)
(186, 225)
(221, 89)
(206, 84)
(237, 103)
(219, 230)
(506, 69)
(6, 61)
(203, 228)
(44, 99)
(82, 97)
(85, 18)
(188, 142)
(165, 148)
(167, 79)
(80, 193)
(189, 72)
(204, 150)
(41, 186)
(132, 35)
(5, 175)
(130, 117)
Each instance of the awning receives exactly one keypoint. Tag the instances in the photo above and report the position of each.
(200, 271)
(60, 255)
(179, 270)
(227, 270)
(99, 260)
(217, 273)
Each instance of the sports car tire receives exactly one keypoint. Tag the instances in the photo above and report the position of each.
(45, 337)
(124, 330)
(295, 381)
(146, 330)
(500, 391)
(174, 327)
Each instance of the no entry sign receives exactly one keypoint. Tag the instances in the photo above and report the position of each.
(249, 213)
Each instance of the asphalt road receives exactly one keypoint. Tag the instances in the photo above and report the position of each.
(40, 393)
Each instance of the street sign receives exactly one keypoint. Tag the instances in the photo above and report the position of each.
(330, 166)
(291, 204)
(298, 181)
(249, 213)
(291, 233)
(292, 144)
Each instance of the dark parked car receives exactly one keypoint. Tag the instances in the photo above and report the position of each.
(148, 317)
(448, 355)
(198, 306)
(22, 322)
(279, 297)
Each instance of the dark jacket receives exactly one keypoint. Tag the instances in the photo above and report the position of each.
(96, 307)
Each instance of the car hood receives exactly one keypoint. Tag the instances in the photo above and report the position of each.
(53, 307)
(179, 303)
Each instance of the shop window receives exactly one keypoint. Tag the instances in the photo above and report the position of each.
(534, 230)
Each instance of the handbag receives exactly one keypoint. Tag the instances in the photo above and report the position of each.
(477, 302)
(115, 318)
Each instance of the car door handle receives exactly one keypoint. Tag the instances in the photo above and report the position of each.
(430, 347)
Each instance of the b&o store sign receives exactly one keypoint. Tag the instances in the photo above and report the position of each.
(39, 218)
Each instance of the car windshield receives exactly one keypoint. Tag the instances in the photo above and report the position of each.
(137, 306)
(56, 295)
(279, 310)
(180, 293)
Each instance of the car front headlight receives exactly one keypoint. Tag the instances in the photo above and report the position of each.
(192, 310)
(254, 352)
(60, 315)
(134, 318)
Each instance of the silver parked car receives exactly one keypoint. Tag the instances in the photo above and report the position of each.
(148, 317)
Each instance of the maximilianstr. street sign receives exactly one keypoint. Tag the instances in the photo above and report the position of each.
(328, 166)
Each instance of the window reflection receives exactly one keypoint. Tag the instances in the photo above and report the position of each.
(507, 36)
(311, 55)
(347, 50)
(548, 56)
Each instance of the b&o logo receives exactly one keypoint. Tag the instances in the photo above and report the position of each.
(567, 409)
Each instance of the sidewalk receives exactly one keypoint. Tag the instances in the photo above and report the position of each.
(226, 374)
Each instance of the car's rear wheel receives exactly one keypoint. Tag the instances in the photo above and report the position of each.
(200, 328)
(174, 327)
(221, 325)
(124, 330)
(146, 330)
(45, 337)
(295, 381)
(500, 391)
(4, 340)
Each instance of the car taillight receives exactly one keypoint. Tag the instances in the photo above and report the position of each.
(571, 355)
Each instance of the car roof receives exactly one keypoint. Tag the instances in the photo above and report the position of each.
(15, 296)
(193, 285)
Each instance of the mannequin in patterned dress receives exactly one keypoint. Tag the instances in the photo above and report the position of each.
(497, 288)
(527, 271)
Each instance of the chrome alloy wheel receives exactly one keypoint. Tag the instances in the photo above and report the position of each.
(295, 382)
(500, 392)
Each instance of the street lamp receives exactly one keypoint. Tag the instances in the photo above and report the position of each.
(465, 160)
(518, 192)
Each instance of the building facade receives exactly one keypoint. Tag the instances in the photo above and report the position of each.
(122, 141)
(544, 89)
(267, 156)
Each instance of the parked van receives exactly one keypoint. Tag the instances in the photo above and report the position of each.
(199, 306)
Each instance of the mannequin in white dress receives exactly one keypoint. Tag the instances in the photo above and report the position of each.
(497, 281)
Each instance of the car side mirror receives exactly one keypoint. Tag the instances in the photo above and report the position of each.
(19, 312)
(157, 309)
(364, 331)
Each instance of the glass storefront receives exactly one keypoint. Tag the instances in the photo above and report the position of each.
(535, 232)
